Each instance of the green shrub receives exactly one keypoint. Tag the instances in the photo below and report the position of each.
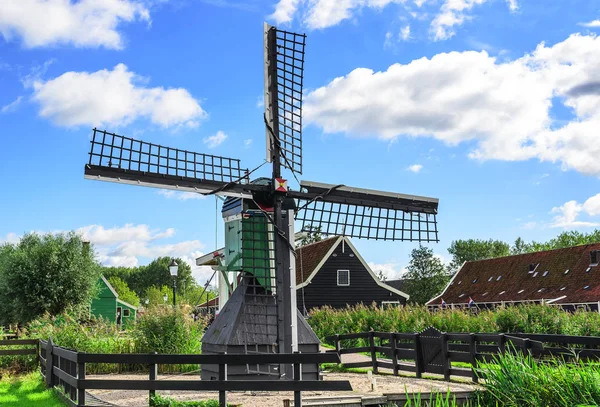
(159, 401)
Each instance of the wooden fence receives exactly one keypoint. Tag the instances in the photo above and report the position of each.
(431, 351)
(66, 369)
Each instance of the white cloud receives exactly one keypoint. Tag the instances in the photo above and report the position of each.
(181, 196)
(391, 271)
(216, 140)
(10, 238)
(567, 214)
(12, 106)
(529, 225)
(591, 24)
(284, 11)
(415, 168)
(247, 143)
(84, 23)
(453, 13)
(469, 96)
(113, 98)
(99, 235)
(405, 33)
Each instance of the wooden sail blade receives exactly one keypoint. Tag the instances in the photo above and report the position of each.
(121, 159)
(368, 214)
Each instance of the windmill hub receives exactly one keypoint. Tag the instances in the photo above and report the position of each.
(257, 268)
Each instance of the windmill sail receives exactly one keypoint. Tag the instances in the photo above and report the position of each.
(284, 76)
(366, 213)
(125, 160)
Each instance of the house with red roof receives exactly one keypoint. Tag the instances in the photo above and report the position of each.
(568, 277)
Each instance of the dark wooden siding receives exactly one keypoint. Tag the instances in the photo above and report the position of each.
(323, 289)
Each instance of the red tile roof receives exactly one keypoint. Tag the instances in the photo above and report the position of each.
(308, 257)
(508, 278)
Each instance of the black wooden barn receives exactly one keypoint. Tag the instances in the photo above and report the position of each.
(332, 272)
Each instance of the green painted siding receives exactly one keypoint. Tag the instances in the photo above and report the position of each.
(126, 320)
(255, 248)
(105, 304)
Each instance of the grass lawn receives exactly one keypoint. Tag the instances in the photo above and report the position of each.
(26, 391)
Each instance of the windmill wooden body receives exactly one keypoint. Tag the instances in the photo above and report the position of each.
(261, 314)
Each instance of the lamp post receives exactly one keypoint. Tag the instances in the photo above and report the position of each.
(165, 297)
(173, 268)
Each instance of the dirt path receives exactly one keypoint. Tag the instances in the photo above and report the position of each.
(360, 384)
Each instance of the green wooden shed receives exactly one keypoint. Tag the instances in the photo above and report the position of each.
(108, 305)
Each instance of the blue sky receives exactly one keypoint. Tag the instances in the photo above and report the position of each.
(490, 105)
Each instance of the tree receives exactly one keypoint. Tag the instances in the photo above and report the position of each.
(155, 295)
(157, 274)
(475, 249)
(313, 235)
(45, 273)
(125, 293)
(426, 276)
(519, 247)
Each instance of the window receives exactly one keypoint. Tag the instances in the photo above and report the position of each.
(484, 294)
(533, 266)
(351, 255)
(540, 290)
(535, 274)
(343, 277)
(334, 255)
(474, 281)
(594, 257)
(499, 277)
(586, 287)
(587, 270)
(491, 278)
(563, 289)
(545, 273)
(126, 313)
(502, 292)
(567, 271)
(460, 296)
(459, 282)
(520, 291)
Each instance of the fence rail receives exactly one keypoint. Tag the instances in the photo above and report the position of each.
(66, 369)
(405, 351)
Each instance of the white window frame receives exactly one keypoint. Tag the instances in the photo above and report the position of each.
(338, 278)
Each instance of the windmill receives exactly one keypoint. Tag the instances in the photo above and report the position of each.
(261, 315)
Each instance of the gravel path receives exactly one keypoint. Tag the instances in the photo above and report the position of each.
(384, 383)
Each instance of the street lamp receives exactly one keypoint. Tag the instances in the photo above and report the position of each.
(173, 268)
(165, 297)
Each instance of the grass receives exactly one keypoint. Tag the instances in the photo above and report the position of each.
(27, 391)
(160, 401)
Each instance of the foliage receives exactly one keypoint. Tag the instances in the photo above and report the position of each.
(313, 235)
(426, 275)
(45, 273)
(565, 239)
(27, 391)
(155, 274)
(123, 290)
(475, 249)
(156, 295)
(160, 401)
(164, 330)
(523, 318)
(512, 380)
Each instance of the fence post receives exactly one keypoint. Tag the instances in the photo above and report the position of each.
(80, 376)
(222, 379)
(502, 343)
(153, 376)
(394, 354)
(526, 346)
(473, 354)
(337, 344)
(446, 359)
(297, 378)
(49, 364)
(419, 356)
(373, 353)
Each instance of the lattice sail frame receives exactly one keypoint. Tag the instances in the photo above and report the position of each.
(287, 74)
(366, 222)
(109, 150)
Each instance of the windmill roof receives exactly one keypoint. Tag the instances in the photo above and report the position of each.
(509, 278)
(308, 257)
